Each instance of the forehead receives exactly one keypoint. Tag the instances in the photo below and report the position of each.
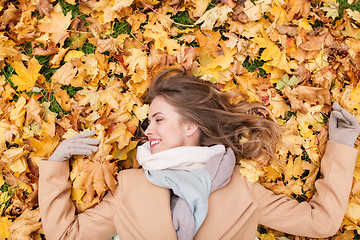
(159, 104)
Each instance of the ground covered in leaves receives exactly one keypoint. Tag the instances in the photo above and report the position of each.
(73, 65)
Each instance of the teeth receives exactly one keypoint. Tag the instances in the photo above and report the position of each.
(154, 142)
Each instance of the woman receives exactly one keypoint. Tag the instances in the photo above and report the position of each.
(189, 187)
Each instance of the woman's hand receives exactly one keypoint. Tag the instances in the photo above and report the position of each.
(79, 144)
(343, 127)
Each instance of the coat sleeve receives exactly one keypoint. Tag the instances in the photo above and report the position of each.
(322, 216)
(58, 211)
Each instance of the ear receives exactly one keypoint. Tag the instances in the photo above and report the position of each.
(191, 129)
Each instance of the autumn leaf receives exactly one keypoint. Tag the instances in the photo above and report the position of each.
(5, 223)
(216, 14)
(25, 224)
(95, 61)
(56, 25)
(26, 77)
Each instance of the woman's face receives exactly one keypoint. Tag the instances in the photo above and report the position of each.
(166, 128)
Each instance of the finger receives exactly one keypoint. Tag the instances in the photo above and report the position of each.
(334, 119)
(349, 117)
(81, 151)
(84, 134)
(89, 141)
(87, 147)
(341, 118)
(336, 106)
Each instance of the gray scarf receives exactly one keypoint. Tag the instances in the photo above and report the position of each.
(191, 190)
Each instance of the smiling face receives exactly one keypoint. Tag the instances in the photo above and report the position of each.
(167, 129)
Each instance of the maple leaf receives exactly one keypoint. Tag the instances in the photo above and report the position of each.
(89, 48)
(217, 15)
(293, 169)
(34, 111)
(65, 74)
(26, 78)
(44, 8)
(44, 146)
(249, 170)
(5, 223)
(25, 224)
(18, 113)
(56, 25)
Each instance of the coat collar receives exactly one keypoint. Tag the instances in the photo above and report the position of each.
(146, 208)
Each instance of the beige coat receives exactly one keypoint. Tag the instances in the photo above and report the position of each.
(139, 210)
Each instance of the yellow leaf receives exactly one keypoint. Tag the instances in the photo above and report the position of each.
(57, 25)
(2, 181)
(269, 236)
(278, 106)
(26, 77)
(357, 167)
(24, 186)
(120, 134)
(34, 111)
(293, 168)
(77, 194)
(18, 114)
(11, 155)
(216, 14)
(19, 165)
(278, 12)
(45, 146)
(304, 23)
(249, 170)
(141, 112)
(123, 154)
(353, 212)
(137, 60)
(65, 74)
(355, 97)
(73, 54)
(200, 7)
(271, 50)
(5, 223)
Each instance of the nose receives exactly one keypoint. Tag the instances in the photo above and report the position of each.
(148, 130)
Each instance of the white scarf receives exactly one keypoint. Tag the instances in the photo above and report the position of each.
(187, 158)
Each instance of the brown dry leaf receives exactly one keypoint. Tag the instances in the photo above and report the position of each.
(44, 8)
(34, 111)
(56, 25)
(65, 74)
(27, 223)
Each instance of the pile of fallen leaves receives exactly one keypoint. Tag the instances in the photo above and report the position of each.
(73, 65)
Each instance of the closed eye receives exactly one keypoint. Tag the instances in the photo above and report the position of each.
(158, 120)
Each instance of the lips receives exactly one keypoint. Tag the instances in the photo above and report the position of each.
(154, 142)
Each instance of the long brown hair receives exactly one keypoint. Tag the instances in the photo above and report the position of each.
(219, 122)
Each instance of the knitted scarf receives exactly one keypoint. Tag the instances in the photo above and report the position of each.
(192, 173)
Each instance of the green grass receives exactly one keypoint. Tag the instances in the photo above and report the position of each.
(67, 7)
(254, 65)
(120, 28)
(54, 105)
(344, 4)
(71, 91)
(182, 18)
(88, 48)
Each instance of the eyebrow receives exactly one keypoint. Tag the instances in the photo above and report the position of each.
(155, 114)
